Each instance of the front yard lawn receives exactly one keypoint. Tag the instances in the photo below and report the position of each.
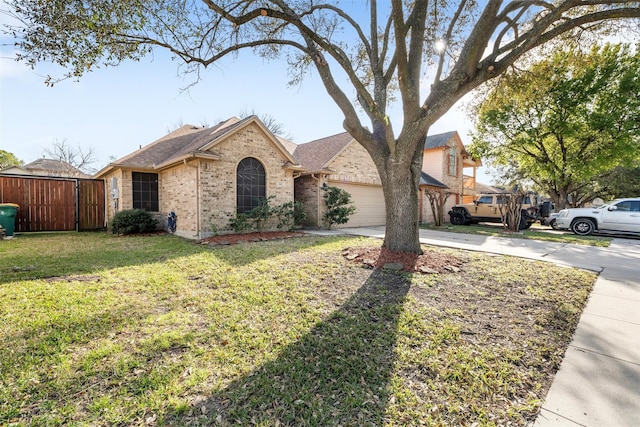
(158, 330)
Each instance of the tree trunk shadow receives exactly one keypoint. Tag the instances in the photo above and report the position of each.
(337, 374)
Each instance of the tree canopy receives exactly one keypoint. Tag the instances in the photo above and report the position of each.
(420, 55)
(8, 159)
(565, 122)
(621, 182)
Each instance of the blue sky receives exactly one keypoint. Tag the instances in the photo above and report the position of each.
(115, 110)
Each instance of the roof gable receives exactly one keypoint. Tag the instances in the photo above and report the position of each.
(317, 155)
(441, 140)
(224, 132)
(189, 141)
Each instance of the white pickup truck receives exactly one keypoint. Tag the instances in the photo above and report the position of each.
(619, 216)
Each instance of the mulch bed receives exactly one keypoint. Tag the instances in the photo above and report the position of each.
(381, 258)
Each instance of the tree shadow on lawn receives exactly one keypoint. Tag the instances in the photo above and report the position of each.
(337, 374)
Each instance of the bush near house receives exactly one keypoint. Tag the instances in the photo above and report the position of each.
(133, 221)
(338, 204)
(288, 215)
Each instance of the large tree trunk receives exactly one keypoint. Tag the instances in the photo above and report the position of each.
(401, 185)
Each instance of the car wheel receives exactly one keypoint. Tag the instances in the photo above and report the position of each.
(583, 227)
(457, 218)
(554, 224)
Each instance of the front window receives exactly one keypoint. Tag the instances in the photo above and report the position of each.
(145, 191)
(251, 184)
(453, 163)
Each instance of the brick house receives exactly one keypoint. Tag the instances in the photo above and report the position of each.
(205, 175)
(340, 161)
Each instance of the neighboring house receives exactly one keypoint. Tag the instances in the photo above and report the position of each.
(430, 184)
(340, 161)
(206, 175)
(47, 167)
(484, 188)
(445, 159)
(15, 170)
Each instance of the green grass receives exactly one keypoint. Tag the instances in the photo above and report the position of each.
(534, 233)
(157, 330)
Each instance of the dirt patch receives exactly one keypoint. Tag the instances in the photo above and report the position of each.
(73, 279)
(429, 262)
(232, 239)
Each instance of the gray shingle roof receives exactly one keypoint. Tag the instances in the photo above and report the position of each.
(185, 140)
(316, 155)
(49, 165)
(54, 166)
(439, 140)
(426, 179)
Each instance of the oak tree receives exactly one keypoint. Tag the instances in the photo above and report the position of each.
(369, 55)
(8, 159)
(565, 122)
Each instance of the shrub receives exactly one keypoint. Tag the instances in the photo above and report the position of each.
(338, 204)
(261, 213)
(299, 213)
(288, 214)
(240, 223)
(133, 221)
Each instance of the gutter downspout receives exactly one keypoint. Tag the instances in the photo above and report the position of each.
(420, 198)
(197, 168)
(313, 176)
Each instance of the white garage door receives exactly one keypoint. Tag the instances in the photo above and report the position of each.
(369, 202)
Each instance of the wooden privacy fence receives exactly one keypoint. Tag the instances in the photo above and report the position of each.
(55, 204)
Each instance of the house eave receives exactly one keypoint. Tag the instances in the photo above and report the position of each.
(422, 186)
(293, 167)
(324, 171)
(187, 156)
(111, 166)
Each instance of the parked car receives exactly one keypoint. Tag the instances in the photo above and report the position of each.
(618, 216)
(550, 220)
(488, 207)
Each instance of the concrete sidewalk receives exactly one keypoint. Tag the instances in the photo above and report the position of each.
(598, 384)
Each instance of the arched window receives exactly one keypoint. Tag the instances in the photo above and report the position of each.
(251, 184)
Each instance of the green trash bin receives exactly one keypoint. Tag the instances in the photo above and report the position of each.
(8, 212)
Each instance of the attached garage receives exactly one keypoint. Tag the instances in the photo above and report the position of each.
(369, 202)
(339, 161)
